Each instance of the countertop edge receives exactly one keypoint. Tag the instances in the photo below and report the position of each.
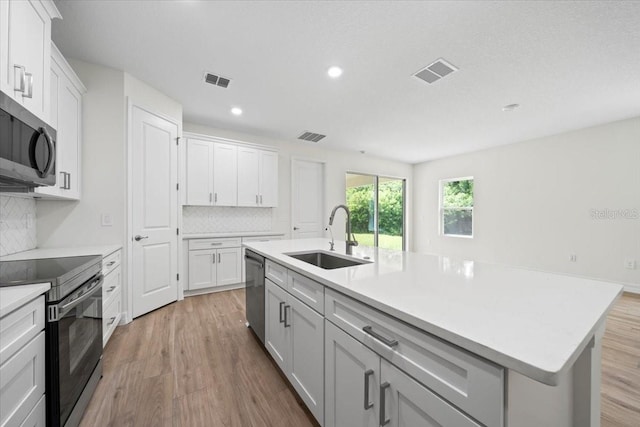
(61, 252)
(191, 236)
(19, 296)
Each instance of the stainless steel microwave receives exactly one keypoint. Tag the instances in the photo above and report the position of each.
(27, 149)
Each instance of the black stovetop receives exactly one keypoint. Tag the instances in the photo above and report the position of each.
(54, 270)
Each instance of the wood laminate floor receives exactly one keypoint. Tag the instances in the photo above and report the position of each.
(194, 363)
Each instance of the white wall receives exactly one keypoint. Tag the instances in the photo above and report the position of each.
(103, 168)
(534, 202)
(337, 164)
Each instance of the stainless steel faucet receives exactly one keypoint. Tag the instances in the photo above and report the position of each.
(349, 243)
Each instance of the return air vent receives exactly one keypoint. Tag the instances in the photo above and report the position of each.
(310, 136)
(435, 71)
(216, 80)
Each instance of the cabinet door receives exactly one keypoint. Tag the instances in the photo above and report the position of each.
(202, 269)
(229, 265)
(275, 332)
(409, 403)
(306, 357)
(352, 381)
(268, 179)
(225, 174)
(26, 42)
(248, 177)
(199, 172)
(69, 135)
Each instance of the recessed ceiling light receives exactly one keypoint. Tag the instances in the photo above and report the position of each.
(510, 107)
(236, 111)
(334, 72)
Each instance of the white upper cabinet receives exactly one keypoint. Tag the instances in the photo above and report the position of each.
(225, 174)
(221, 173)
(25, 52)
(199, 172)
(66, 117)
(257, 177)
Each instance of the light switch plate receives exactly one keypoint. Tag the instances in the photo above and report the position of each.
(106, 220)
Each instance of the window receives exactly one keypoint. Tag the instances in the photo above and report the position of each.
(456, 207)
(377, 206)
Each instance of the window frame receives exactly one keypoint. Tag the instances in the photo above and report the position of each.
(376, 181)
(442, 209)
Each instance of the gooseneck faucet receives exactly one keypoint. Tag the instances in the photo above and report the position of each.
(349, 243)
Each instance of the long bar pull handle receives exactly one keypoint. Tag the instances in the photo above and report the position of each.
(20, 83)
(261, 199)
(28, 77)
(256, 199)
(281, 311)
(367, 374)
(215, 197)
(383, 416)
(210, 197)
(386, 341)
(219, 259)
(68, 181)
(213, 258)
(286, 325)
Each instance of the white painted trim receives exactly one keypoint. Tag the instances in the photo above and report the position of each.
(214, 289)
(293, 159)
(229, 141)
(129, 203)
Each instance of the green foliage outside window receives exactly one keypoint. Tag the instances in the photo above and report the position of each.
(457, 207)
(360, 203)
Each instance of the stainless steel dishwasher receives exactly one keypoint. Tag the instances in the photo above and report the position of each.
(255, 292)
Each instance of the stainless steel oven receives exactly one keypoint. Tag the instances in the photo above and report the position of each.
(74, 332)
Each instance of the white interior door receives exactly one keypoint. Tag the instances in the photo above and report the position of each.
(307, 199)
(154, 219)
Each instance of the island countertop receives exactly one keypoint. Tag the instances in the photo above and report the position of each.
(533, 322)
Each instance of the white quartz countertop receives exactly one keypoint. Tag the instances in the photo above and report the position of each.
(13, 297)
(62, 252)
(533, 322)
(230, 234)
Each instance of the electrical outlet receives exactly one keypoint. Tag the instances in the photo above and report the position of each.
(106, 220)
(573, 257)
(28, 220)
(630, 264)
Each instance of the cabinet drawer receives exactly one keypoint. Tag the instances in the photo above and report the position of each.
(111, 317)
(111, 262)
(111, 286)
(38, 415)
(469, 382)
(306, 290)
(234, 242)
(20, 326)
(22, 382)
(276, 273)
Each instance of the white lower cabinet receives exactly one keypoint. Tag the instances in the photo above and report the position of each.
(111, 294)
(294, 336)
(38, 416)
(214, 262)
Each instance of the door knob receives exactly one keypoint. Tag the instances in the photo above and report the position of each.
(139, 237)
(296, 228)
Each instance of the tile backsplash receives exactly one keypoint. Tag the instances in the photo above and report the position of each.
(17, 224)
(215, 219)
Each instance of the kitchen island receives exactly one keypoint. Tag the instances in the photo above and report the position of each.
(533, 336)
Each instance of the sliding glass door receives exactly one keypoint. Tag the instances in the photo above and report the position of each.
(377, 206)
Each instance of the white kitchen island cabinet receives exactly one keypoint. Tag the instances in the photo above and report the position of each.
(440, 341)
(294, 336)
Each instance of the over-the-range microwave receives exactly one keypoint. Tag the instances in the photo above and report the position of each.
(27, 148)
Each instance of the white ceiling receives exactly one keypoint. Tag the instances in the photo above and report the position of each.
(569, 64)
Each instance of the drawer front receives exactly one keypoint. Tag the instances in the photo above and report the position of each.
(306, 290)
(276, 273)
(111, 262)
(111, 317)
(112, 284)
(473, 384)
(38, 415)
(22, 382)
(195, 244)
(20, 326)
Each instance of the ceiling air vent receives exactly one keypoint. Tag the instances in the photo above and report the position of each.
(435, 71)
(216, 80)
(310, 136)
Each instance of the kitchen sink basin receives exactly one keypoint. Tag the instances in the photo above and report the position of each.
(326, 260)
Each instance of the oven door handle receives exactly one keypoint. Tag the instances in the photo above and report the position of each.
(96, 284)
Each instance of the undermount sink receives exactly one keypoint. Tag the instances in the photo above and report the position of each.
(326, 260)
